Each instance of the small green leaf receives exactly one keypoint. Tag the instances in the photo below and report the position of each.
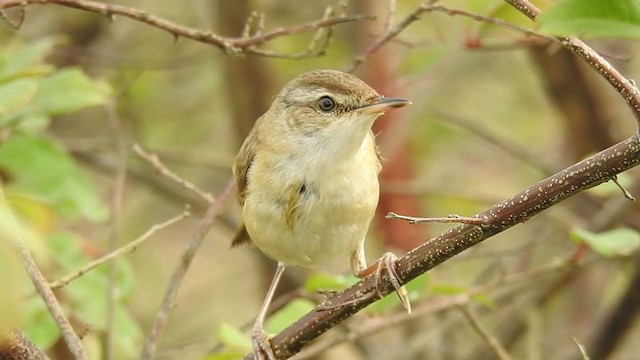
(294, 310)
(233, 339)
(593, 18)
(14, 95)
(321, 281)
(38, 166)
(227, 355)
(616, 242)
(25, 61)
(448, 289)
(69, 90)
(484, 300)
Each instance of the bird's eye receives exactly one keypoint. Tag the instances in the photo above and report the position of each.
(326, 104)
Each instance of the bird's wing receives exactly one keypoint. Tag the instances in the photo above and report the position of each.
(241, 167)
(242, 164)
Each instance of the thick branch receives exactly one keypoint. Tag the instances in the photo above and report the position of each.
(517, 209)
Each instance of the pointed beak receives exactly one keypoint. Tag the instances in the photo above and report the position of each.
(384, 103)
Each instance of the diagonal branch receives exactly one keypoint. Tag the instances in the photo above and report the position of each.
(519, 208)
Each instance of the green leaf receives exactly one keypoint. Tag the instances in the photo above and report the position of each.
(593, 18)
(294, 310)
(232, 338)
(69, 90)
(616, 242)
(448, 289)
(321, 281)
(25, 61)
(41, 167)
(484, 300)
(15, 95)
(227, 355)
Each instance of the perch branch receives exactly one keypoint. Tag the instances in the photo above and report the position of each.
(517, 209)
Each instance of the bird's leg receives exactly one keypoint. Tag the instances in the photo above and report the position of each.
(386, 262)
(259, 338)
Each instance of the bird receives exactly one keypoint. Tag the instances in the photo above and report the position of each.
(307, 180)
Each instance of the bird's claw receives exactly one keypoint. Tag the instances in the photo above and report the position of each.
(261, 344)
(388, 263)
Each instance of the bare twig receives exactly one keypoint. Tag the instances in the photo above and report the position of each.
(389, 35)
(180, 271)
(429, 6)
(132, 246)
(497, 348)
(624, 191)
(70, 337)
(583, 352)
(451, 219)
(229, 45)
(164, 171)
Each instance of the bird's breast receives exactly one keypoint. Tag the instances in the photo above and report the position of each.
(335, 202)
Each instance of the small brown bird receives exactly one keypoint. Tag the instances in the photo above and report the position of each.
(307, 179)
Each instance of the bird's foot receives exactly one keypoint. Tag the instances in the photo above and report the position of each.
(261, 344)
(388, 263)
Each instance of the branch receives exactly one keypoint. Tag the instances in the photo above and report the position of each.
(133, 245)
(230, 45)
(42, 288)
(517, 209)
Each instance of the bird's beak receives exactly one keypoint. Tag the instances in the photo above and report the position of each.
(383, 103)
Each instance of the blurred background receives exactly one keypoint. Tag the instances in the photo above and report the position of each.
(493, 112)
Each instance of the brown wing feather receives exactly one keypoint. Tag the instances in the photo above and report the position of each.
(241, 167)
(241, 237)
(242, 164)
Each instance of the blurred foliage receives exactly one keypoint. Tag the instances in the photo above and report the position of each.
(42, 183)
(616, 242)
(593, 18)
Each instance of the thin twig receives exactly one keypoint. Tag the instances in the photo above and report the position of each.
(164, 171)
(68, 334)
(624, 191)
(583, 352)
(130, 247)
(451, 219)
(215, 207)
(230, 45)
(484, 334)
(389, 35)
(429, 6)
(490, 20)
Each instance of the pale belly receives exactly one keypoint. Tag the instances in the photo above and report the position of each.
(334, 218)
